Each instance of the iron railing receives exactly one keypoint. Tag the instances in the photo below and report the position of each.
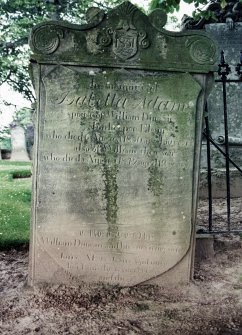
(223, 72)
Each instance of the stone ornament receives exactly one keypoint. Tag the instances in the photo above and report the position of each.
(47, 39)
(123, 37)
(200, 49)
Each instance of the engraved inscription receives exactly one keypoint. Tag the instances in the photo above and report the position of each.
(116, 155)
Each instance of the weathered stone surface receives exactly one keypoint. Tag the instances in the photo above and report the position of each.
(219, 183)
(116, 165)
(123, 37)
(19, 151)
(204, 247)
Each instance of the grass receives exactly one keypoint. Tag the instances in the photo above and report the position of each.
(15, 203)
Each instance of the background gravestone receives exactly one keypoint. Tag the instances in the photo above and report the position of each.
(117, 147)
(18, 143)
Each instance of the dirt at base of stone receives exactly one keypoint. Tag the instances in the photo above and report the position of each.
(210, 305)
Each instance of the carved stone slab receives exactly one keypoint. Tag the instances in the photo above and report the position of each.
(116, 160)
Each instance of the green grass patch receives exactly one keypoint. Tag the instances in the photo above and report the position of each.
(15, 203)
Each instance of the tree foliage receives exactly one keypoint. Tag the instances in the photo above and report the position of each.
(169, 6)
(17, 18)
(23, 117)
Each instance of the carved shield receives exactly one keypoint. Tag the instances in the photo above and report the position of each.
(125, 43)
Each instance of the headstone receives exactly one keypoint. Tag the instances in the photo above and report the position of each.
(19, 151)
(118, 135)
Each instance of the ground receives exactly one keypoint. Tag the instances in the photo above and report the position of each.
(210, 305)
(219, 214)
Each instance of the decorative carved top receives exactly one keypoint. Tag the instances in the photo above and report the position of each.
(229, 14)
(124, 37)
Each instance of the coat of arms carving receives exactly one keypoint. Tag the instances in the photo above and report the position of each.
(125, 43)
(125, 38)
